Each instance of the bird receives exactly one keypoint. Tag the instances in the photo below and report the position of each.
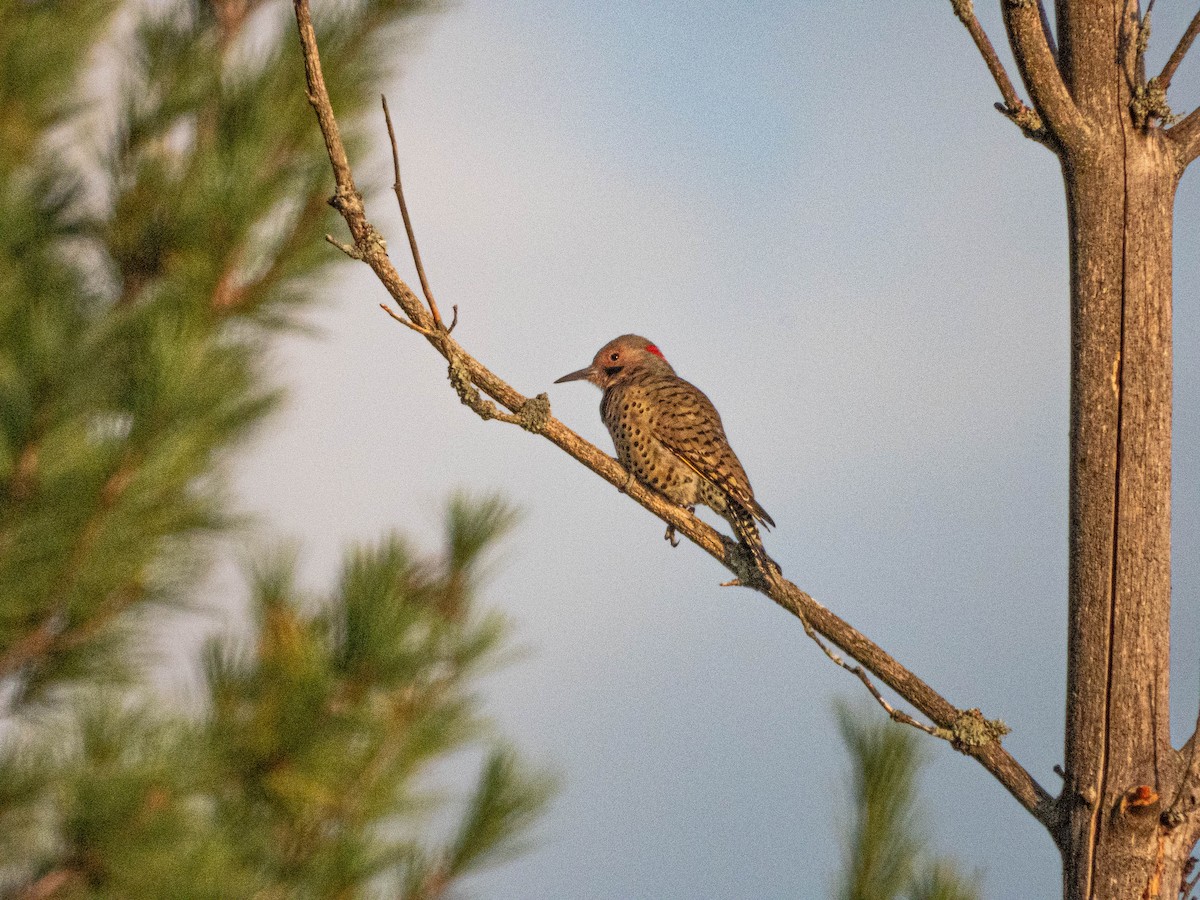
(669, 436)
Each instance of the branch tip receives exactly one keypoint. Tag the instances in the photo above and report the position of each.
(403, 321)
(398, 187)
(349, 249)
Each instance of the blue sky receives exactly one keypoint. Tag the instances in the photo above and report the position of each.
(816, 214)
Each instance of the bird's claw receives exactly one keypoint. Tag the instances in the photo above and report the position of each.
(670, 536)
(624, 488)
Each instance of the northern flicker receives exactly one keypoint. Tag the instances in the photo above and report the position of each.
(669, 436)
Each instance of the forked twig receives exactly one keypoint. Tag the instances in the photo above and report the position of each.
(403, 321)
(408, 228)
(1014, 108)
(896, 715)
(1052, 119)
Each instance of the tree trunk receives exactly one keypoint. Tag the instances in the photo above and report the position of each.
(1120, 197)
(1121, 771)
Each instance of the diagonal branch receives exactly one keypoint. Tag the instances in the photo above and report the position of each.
(1180, 51)
(966, 730)
(1028, 35)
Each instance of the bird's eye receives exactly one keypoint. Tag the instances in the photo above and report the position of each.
(615, 357)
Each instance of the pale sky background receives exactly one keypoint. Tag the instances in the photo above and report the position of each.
(814, 211)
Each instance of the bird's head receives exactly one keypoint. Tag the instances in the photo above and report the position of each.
(620, 360)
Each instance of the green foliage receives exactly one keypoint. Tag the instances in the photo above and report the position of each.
(310, 774)
(43, 48)
(162, 188)
(501, 810)
(942, 881)
(886, 856)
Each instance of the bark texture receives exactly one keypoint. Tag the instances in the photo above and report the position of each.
(1120, 189)
(1127, 819)
(1119, 831)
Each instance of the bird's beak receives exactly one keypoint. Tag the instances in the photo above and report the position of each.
(577, 376)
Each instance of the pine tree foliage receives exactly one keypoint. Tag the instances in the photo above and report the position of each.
(163, 216)
(886, 855)
(309, 777)
(163, 197)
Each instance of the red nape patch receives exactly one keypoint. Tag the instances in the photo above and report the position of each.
(650, 348)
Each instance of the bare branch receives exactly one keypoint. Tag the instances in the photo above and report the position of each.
(403, 321)
(349, 249)
(965, 11)
(967, 730)
(408, 228)
(1149, 101)
(896, 715)
(1036, 60)
(368, 245)
(1180, 51)
(1186, 135)
(1135, 33)
(1013, 107)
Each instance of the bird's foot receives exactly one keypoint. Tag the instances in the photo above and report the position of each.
(629, 479)
(670, 536)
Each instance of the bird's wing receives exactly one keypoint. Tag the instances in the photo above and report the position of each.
(689, 426)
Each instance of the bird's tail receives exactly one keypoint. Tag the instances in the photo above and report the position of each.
(746, 530)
